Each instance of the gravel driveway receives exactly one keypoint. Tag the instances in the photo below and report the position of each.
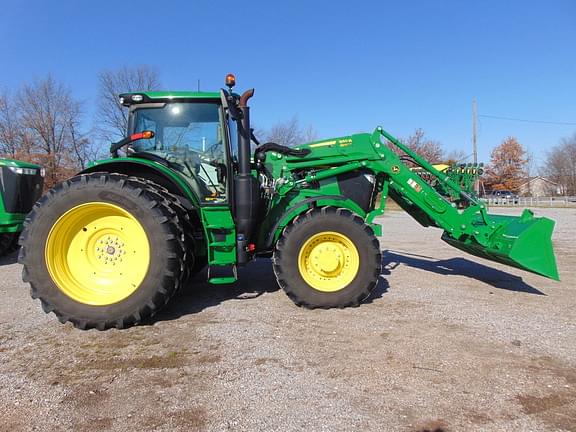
(447, 342)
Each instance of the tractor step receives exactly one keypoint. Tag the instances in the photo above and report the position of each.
(222, 280)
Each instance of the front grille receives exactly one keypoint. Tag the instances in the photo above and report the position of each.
(19, 191)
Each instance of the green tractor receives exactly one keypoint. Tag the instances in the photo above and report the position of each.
(20, 186)
(110, 246)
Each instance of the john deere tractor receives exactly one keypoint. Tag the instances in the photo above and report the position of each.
(110, 246)
(20, 186)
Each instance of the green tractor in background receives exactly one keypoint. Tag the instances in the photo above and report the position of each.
(20, 186)
(110, 246)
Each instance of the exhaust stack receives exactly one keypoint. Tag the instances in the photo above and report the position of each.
(246, 187)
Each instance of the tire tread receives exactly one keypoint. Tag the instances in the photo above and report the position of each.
(309, 217)
(172, 277)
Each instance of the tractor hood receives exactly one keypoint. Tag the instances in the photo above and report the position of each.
(17, 164)
(347, 148)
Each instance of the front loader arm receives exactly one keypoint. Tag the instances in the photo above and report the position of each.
(417, 197)
(523, 242)
(329, 159)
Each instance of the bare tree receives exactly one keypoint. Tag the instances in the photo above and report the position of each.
(430, 150)
(113, 117)
(309, 134)
(561, 165)
(50, 119)
(456, 156)
(83, 149)
(10, 126)
(290, 133)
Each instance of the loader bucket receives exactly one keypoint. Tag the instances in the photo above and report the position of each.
(524, 242)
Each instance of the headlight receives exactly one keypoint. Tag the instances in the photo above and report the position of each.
(23, 171)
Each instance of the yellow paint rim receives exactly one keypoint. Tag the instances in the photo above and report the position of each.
(97, 253)
(328, 261)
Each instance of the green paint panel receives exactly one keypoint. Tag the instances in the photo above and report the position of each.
(10, 222)
(177, 178)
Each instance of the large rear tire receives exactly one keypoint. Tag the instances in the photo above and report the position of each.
(195, 259)
(103, 250)
(327, 258)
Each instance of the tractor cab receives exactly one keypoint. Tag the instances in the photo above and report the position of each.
(186, 131)
(202, 136)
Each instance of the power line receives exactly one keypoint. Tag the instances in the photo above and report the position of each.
(527, 121)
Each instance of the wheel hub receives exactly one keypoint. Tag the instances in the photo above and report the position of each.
(111, 249)
(97, 253)
(328, 261)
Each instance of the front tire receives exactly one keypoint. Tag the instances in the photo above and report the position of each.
(103, 250)
(327, 258)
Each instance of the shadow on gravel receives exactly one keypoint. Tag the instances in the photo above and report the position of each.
(254, 280)
(460, 267)
(9, 259)
(379, 291)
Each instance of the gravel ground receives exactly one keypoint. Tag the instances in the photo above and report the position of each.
(447, 342)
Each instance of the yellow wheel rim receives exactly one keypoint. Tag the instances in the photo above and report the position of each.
(328, 261)
(97, 253)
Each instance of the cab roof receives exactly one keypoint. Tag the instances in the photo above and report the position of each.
(128, 99)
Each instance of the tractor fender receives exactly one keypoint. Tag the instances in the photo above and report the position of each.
(149, 170)
(303, 206)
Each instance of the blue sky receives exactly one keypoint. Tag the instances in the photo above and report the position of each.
(342, 67)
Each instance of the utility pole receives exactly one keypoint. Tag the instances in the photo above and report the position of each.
(475, 143)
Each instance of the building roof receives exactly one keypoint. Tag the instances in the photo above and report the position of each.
(532, 179)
